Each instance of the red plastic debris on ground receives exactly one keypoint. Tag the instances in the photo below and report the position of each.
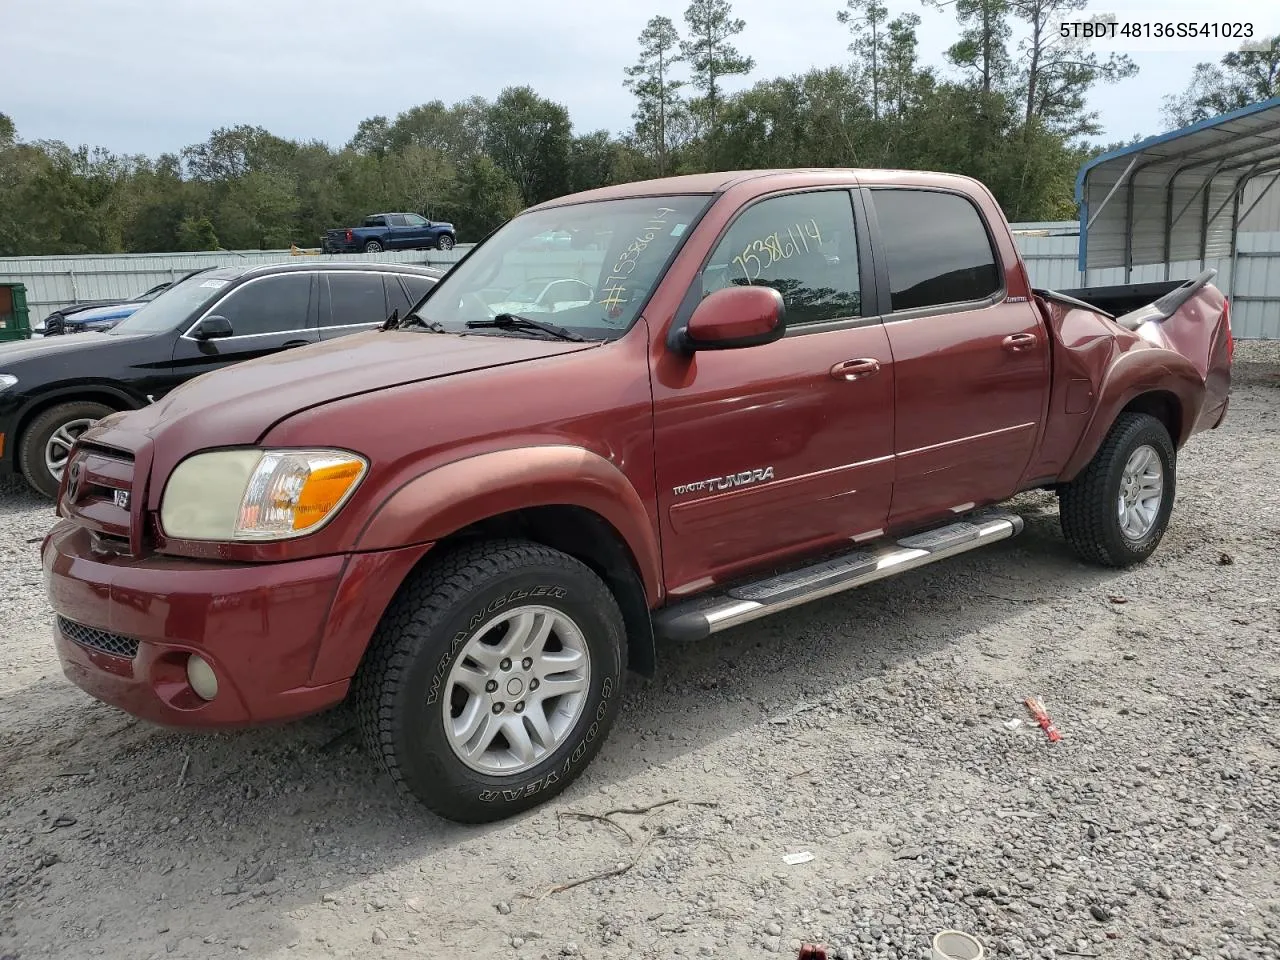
(811, 951)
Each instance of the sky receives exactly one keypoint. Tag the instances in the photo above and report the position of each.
(147, 76)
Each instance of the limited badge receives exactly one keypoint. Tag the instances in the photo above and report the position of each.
(121, 498)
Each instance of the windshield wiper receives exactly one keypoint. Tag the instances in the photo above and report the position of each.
(512, 321)
(394, 322)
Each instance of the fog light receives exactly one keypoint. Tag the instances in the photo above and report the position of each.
(201, 677)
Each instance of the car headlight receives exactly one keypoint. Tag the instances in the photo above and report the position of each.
(256, 495)
(7, 380)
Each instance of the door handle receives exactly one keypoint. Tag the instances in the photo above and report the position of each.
(1017, 342)
(855, 369)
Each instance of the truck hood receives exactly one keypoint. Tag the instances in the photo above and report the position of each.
(240, 403)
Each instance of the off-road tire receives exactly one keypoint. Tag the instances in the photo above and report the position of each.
(403, 677)
(1088, 504)
(37, 435)
(373, 246)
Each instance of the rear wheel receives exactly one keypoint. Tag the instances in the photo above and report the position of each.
(492, 679)
(1116, 511)
(372, 246)
(46, 444)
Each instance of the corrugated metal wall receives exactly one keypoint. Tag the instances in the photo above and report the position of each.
(1049, 248)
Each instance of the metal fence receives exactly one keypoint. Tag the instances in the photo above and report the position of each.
(1048, 248)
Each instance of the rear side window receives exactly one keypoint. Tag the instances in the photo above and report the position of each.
(355, 298)
(803, 245)
(271, 305)
(395, 220)
(937, 248)
(397, 299)
(418, 287)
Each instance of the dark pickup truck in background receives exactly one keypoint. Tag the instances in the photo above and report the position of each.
(390, 231)
(777, 385)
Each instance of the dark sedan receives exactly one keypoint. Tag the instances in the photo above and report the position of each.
(55, 388)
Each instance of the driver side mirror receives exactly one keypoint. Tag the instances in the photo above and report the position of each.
(212, 328)
(735, 317)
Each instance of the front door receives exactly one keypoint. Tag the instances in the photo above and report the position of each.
(971, 365)
(773, 450)
(267, 314)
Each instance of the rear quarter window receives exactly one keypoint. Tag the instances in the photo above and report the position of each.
(936, 247)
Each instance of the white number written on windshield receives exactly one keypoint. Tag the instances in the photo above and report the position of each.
(615, 287)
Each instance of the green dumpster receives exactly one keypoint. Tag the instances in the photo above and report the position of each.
(15, 319)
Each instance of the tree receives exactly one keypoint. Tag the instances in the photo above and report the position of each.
(902, 82)
(528, 137)
(1057, 73)
(373, 137)
(8, 133)
(484, 198)
(657, 93)
(1240, 78)
(865, 20)
(711, 57)
(983, 45)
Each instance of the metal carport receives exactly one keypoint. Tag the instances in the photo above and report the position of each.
(1177, 197)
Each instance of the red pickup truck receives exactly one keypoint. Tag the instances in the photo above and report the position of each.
(770, 386)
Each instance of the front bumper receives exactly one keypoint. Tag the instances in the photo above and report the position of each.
(283, 639)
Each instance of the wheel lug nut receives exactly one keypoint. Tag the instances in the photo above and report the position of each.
(491, 686)
(520, 707)
(506, 664)
(533, 684)
(499, 707)
(527, 662)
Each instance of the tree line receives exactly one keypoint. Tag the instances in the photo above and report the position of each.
(1012, 114)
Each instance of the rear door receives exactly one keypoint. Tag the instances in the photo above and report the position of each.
(398, 232)
(971, 364)
(352, 301)
(267, 314)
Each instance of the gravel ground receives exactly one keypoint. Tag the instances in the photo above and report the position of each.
(867, 730)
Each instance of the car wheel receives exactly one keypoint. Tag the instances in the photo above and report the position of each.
(1116, 511)
(444, 242)
(372, 246)
(46, 444)
(493, 679)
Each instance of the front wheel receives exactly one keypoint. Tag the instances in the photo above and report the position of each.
(493, 679)
(373, 246)
(46, 444)
(1116, 511)
(444, 242)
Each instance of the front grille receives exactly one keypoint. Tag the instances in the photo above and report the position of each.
(95, 639)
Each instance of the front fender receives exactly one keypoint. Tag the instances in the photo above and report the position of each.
(458, 494)
(1132, 374)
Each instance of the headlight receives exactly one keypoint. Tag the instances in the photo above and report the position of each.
(7, 380)
(258, 495)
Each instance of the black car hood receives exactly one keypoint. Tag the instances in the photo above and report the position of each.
(21, 351)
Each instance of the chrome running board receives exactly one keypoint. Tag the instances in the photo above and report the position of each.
(697, 619)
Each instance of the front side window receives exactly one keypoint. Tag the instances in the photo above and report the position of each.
(596, 291)
(803, 245)
(936, 246)
(355, 298)
(270, 305)
(413, 220)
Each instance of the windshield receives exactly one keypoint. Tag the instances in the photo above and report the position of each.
(175, 305)
(593, 285)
